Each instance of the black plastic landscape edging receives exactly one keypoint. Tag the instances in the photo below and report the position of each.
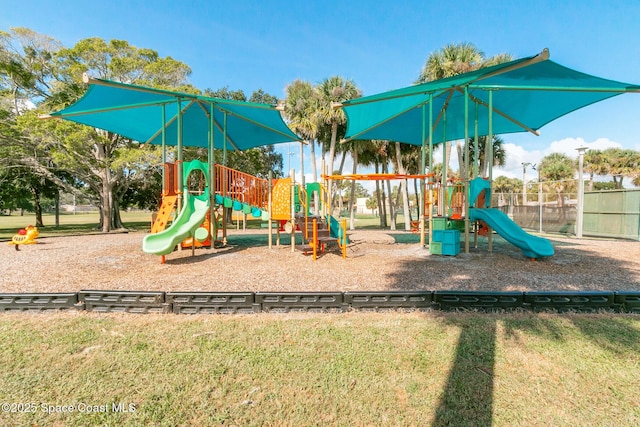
(142, 302)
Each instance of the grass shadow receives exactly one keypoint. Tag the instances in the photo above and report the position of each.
(467, 399)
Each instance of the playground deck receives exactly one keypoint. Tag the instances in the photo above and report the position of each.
(377, 261)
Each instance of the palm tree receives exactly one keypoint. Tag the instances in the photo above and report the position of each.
(334, 90)
(300, 110)
(621, 162)
(413, 165)
(400, 168)
(594, 164)
(451, 60)
(454, 59)
(376, 153)
(480, 158)
(557, 168)
(355, 148)
(503, 186)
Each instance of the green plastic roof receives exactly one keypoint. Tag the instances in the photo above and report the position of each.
(528, 93)
(136, 112)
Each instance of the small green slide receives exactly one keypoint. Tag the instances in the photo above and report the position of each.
(191, 217)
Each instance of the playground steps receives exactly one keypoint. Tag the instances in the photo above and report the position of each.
(323, 235)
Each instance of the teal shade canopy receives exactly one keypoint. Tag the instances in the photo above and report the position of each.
(135, 112)
(528, 93)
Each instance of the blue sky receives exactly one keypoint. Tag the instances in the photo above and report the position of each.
(380, 45)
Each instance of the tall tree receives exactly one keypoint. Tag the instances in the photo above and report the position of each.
(620, 163)
(400, 168)
(108, 156)
(454, 59)
(480, 159)
(98, 158)
(594, 164)
(300, 109)
(332, 90)
(503, 186)
(26, 78)
(557, 169)
(378, 154)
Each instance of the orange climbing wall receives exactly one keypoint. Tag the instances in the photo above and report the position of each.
(168, 204)
(281, 200)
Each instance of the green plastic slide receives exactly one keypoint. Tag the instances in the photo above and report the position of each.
(191, 217)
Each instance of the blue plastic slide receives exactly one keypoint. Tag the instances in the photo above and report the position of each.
(191, 217)
(532, 246)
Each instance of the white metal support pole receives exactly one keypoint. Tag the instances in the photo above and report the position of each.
(579, 219)
(540, 197)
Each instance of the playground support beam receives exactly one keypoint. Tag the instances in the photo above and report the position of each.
(423, 162)
(293, 212)
(164, 148)
(213, 223)
(443, 179)
(224, 183)
(466, 169)
(490, 159)
(431, 166)
(270, 209)
(179, 168)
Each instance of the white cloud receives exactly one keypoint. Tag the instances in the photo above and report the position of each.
(569, 146)
(517, 154)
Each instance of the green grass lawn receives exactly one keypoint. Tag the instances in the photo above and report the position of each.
(382, 369)
(69, 224)
(85, 223)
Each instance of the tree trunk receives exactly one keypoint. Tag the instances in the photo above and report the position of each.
(336, 184)
(385, 169)
(486, 162)
(380, 198)
(107, 197)
(57, 207)
(341, 168)
(314, 167)
(37, 207)
(461, 165)
(116, 219)
(332, 147)
(418, 207)
(559, 193)
(403, 189)
(352, 197)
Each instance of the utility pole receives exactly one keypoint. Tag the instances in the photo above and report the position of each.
(579, 219)
(524, 182)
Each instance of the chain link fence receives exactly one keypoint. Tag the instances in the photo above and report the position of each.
(553, 207)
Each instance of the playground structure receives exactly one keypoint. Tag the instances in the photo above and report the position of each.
(280, 200)
(516, 96)
(25, 236)
(445, 221)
